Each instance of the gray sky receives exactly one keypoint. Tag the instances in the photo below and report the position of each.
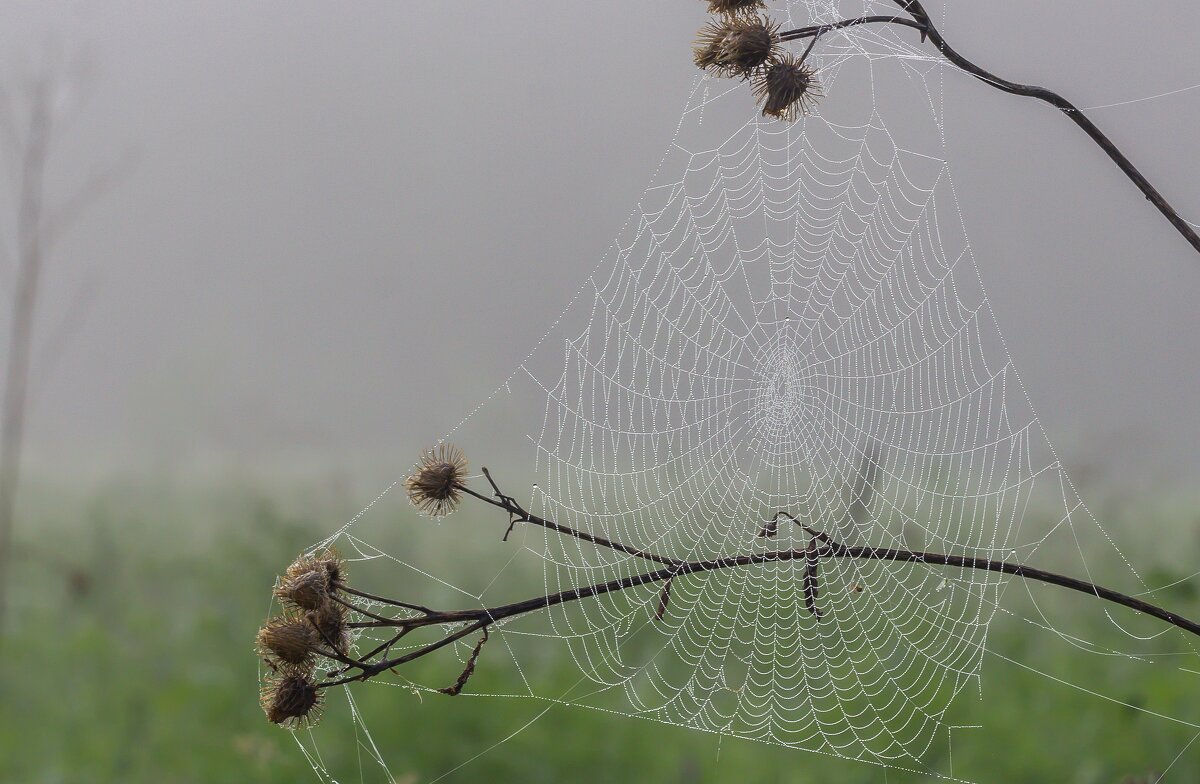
(349, 221)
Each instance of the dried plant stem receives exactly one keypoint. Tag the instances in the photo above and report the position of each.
(20, 336)
(518, 514)
(819, 547)
(38, 226)
(919, 19)
(816, 31)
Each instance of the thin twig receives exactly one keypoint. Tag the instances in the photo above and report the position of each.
(359, 610)
(30, 257)
(519, 515)
(382, 600)
(816, 31)
(920, 20)
(456, 688)
(812, 565)
(828, 549)
(664, 599)
(370, 671)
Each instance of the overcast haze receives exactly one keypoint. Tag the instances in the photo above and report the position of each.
(349, 221)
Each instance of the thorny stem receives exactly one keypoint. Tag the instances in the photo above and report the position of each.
(820, 546)
(517, 514)
(921, 21)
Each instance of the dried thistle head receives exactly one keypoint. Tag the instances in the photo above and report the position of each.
(310, 578)
(308, 590)
(334, 566)
(710, 43)
(735, 7)
(736, 45)
(327, 560)
(291, 698)
(434, 487)
(289, 639)
(749, 45)
(329, 624)
(787, 88)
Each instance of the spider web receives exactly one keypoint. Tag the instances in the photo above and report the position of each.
(791, 321)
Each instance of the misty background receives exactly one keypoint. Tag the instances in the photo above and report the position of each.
(347, 223)
(340, 226)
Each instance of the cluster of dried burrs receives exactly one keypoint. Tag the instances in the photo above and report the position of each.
(740, 42)
(322, 613)
(312, 626)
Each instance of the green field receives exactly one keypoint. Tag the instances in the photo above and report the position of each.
(129, 659)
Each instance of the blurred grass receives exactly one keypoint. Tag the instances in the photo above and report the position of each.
(129, 660)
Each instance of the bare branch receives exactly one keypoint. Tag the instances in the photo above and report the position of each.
(820, 546)
(920, 20)
(20, 336)
(35, 233)
(456, 689)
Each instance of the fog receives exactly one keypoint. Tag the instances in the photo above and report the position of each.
(345, 224)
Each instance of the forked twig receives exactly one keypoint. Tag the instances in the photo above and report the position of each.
(920, 20)
(820, 546)
(456, 688)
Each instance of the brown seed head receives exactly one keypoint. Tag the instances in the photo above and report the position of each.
(308, 590)
(736, 46)
(434, 487)
(290, 639)
(329, 623)
(291, 698)
(710, 43)
(787, 88)
(735, 7)
(334, 565)
(327, 560)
